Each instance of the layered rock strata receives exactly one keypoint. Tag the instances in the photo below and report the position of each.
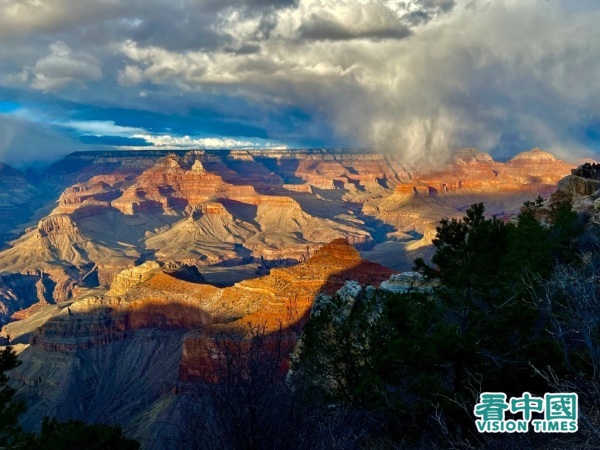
(146, 297)
(273, 208)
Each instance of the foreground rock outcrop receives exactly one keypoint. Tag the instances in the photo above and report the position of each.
(582, 187)
(408, 282)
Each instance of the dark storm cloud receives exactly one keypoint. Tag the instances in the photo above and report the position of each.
(218, 5)
(273, 3)
(247, 49)
(191, 34)
(439, 5)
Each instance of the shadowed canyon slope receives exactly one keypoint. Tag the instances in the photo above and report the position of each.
(235, 214)
(125, 357)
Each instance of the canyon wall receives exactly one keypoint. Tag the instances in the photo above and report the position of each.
(269, 208)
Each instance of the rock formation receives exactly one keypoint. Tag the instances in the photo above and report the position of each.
(129, 278)
(534, 172)
(406, 282)
(147, 297)
(582, 187)
(268, 207)
(415, 207)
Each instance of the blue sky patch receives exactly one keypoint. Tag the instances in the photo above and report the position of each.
(8, 107)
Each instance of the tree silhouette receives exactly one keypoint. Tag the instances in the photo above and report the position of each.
(11, 433)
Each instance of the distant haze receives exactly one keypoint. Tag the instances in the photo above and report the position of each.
(414, 77)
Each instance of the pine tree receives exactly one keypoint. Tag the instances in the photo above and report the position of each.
(10, 409)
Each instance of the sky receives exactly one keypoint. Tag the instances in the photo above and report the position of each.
(415, 78)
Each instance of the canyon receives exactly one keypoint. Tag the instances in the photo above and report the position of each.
(122, 267)
(236, 214)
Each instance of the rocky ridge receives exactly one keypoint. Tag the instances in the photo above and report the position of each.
(146, 296)
(534, 172)
(415, 207)
(583, 188)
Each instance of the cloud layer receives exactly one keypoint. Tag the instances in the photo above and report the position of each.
(414, 77)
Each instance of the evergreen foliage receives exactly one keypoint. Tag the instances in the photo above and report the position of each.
(424, 358)
(10, 409)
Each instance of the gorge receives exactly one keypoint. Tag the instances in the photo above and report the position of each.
(124, 266)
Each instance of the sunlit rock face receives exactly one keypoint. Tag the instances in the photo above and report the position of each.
(534, 171)
(282, 301)
(129, 278)
(147, 297)
(270, 208)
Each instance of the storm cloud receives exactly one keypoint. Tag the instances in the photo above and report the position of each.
(414, 77)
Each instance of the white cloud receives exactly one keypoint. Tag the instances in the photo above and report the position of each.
(62, 67)
(167, 141)
(130, 76)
